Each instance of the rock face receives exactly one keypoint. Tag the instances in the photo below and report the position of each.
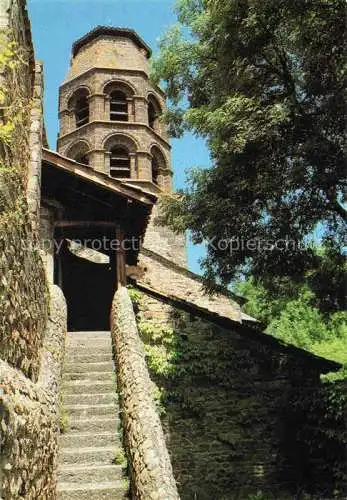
(91, 460)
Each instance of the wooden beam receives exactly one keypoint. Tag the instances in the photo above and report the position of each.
(55, 160)
(85, 223)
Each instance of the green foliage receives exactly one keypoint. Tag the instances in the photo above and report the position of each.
(263, 83)
(120, 458)
(134, 295)
(295, 319)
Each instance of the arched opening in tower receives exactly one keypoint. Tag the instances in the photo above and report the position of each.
(119, 162)
(154, 113)
(118, 106)
(82, 110)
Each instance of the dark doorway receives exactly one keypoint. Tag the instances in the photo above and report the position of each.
(88, 288)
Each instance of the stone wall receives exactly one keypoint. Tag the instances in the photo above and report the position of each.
(151, 469)
(109, 52)
(230, 400)
(23, 291)
(29, 416)
(32, 318)
(29, 427)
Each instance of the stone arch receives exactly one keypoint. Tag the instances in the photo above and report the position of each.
(78, 151)
(121, 140)
(120, 155)
(79, 105)
(119, 100)
(117, 84)
(71, 98)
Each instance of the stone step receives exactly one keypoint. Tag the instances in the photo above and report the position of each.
(85, 385)
(96, 455)
(76, 440)
(91, 397)
(88, 355)
(96, 424)
(81, 474)
(91, 410)
(88, 339)
(115, 490)
(89, 332)
(89, 367)
(90, 335)
(87, 348)
(90, 376)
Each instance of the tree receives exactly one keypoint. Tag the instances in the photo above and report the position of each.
(297, 320)
(263, 83)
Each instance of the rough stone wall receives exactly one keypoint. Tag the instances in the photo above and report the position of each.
(23, 292)
(29, 428)
(151, 469)
(29, 416)
(32, 323)
(163, 275)
(225, 401)
(35, 144)
(54, 343)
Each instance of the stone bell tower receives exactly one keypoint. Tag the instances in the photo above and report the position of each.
(110, 113)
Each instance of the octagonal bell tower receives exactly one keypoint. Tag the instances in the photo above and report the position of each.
(110, 113)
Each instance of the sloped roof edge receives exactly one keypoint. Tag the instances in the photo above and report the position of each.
(102, 180)
(111, 31)
(325, 365)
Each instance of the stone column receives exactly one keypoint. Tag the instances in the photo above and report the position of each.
(97, 108)
(144, 163)
(133, 166)
(65, 122)
(166, 181)
(107, 162)
(141, 109)
(107, 107)
(131, 109)
(97, 161)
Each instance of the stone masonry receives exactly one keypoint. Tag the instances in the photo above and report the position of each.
(104, 61)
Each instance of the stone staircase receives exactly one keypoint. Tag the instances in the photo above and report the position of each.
(90, 451)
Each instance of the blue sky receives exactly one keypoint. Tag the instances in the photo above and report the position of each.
(56, 24)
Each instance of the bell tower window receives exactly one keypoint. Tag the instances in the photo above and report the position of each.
(118, 106)
(82, 111)
(119, 162)
(155, 171)
(152, 115)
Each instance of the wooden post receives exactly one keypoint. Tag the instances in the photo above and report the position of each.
(121, 258)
